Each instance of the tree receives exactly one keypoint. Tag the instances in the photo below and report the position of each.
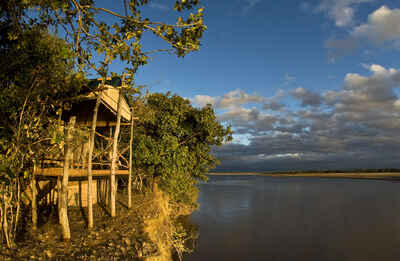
(174, 141)
(118, 36)
(40, 73)
(36, 82)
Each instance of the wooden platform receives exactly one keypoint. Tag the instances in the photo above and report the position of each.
(58, 172)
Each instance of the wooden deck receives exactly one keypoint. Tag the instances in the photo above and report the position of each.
(58, 172)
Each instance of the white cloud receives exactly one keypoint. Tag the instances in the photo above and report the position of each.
(159, 6)
(238, 97)
(230, 99)
(358, 126)
(203, 100)
(240, 114)
(353, 80)
(341, 11)
(383, 25)
(361, 93)
(279, 156)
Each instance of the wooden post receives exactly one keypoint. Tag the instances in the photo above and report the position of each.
(34, 200)
(63, 198)
(107, 181)
(90, 161)
(58, 197)
(115, 155)
(130, 164)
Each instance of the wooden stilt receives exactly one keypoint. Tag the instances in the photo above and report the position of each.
(63, 198)
(34, 200)
(113, 184)
(58, 197)
(90, 161)
(130, 165)
(107, 181)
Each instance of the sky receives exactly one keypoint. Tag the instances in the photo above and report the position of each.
(305, 84)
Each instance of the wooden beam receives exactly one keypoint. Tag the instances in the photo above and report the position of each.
(106, 123)
(57, 172)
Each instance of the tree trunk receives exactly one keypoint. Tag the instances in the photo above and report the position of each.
(130, 165)
(90, 163)
(63, 199)
(115, 155)
(34, 200)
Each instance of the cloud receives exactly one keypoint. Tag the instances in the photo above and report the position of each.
(341, 11)
(238, 97)
(274, 103)
(249, 4)
(356, 126)
(382, 25)
(240, 115)
(159, 6)
(230, 99)
(340, 47)
(203, 100)
(307, 97)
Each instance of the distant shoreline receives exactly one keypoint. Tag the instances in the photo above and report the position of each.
(355, 175)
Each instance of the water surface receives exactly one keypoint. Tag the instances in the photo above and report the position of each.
(293, 218)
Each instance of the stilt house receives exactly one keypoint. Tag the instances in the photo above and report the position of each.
(49, 172)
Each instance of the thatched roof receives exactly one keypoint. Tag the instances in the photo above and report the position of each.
(109, 97)
(83, 106)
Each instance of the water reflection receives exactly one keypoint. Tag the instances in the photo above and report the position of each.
(264, 218)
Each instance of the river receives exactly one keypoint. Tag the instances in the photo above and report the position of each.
(258, 218)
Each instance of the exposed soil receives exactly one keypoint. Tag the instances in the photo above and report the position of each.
(119, 238)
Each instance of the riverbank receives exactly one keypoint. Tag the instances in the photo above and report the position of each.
(355, 175)
(134, 234)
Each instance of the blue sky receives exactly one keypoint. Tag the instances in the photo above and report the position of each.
(306, 84)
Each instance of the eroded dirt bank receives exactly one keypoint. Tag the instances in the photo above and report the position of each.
(154, 229)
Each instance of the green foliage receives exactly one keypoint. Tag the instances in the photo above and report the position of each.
(94, 30)
(40, 75)
(173, 142)
(6, 174)
(36, 82)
